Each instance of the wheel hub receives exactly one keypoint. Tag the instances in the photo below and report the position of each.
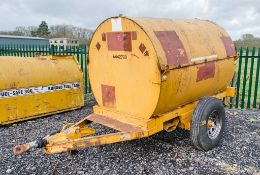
(214, 124)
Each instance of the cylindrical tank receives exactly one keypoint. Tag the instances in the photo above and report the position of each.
(33, 87)
(146, 67)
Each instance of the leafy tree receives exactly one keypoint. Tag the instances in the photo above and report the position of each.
(247, 36)
(247, 40)
(42, 30)
(55, 31)
(69, 31)
(20, 31)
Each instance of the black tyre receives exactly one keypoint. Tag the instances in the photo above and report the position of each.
(207, 123)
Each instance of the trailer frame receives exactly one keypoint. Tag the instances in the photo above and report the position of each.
(78, 136)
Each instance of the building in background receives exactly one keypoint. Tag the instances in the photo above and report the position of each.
(65, 42)
(22, 40)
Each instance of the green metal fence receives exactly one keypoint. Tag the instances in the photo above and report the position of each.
(31, 50)
(246, 78)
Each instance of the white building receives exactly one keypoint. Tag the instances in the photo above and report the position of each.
(66, 42)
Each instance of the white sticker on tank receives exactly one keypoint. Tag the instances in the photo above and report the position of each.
(116, 24)
(204, 58)
(38, 90)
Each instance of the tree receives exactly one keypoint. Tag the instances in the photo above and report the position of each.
(247, 36)
(247, 40)
(55, 31)
(42, 30)
(69, 31)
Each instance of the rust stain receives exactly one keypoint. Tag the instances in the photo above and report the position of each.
(12, 85)
(146, 53)
(22, 72)
(81, 145)
(206, 71)
(173, 48)
(139, 135)
(134, 35)
(104, 37)
(109, 122)
(108, 96)
(119, 41)
(229, 46)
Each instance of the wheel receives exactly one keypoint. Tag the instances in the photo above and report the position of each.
(207, 123)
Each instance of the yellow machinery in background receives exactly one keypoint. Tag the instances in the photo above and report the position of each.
(34, 87)
(149, 75)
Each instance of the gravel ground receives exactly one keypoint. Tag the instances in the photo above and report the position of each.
(164, 153)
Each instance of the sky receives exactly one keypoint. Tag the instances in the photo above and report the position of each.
(236, 16)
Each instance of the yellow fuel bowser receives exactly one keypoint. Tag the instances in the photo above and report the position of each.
(34, 87)
(149, 75)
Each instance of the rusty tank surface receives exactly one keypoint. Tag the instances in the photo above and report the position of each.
(146, 67)
(34, 87)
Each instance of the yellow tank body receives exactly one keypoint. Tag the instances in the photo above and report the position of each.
(32, 87)
(146, 67)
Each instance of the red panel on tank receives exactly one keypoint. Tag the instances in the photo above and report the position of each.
(142, 47)
(104, 37)
(173, 48)
(206, 71)
(119, 41)
(229, 46)
(98, 46)
(134, 35)
(108, 96)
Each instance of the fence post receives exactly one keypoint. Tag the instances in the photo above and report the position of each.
(257, 79)
(19, 49)
(232, 85)
(81, 56)
(45, 49)
(77, 54)
(8, 50)
(251, 78)
(3, 50)
(244, 79)
(86, 71)
(33, 51)
(239, 75)
(51, 50)
(59, 50)
(30, 50)
(23, 50)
